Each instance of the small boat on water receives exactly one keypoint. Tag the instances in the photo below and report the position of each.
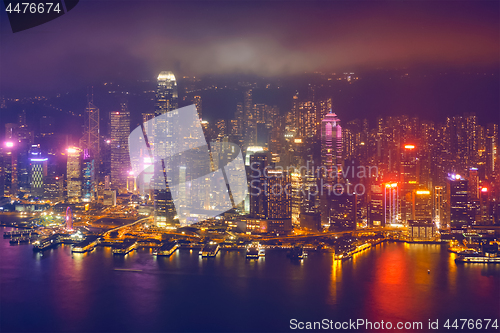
(297, 252)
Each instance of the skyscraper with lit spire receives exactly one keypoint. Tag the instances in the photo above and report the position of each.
(166, 101)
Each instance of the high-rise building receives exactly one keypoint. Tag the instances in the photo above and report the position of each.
(73, 174)
(491, 149)
(439, 216)
(485, 216)
(197, 102)
(422, 205)
(258, 204)
(120, 162)
(162, 141)
(10, 168)
(38, 171)
(89, 189)
(392, 209)
(376, 216)
(459, 201)
(331, 146)
(91, 139)
(277, 194)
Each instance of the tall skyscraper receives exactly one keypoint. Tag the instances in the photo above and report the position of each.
(73, 174)
(391, 202)
(197, 101)
(331, 145)
(89, 189)
(120, 162)
(258, 203)
(91, 139)
(162, 141)
(38, 171)
(277, 194)
(459, 200)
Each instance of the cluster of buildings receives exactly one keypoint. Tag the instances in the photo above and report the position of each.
(306, 168)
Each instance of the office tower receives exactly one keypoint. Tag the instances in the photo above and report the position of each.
(162, 141)
(392, 210)
(91, 139)
(343, 211)
(249, 120)
(297, 196)
(220, 129)
(409, 177)
(376, 216)
(53, 188)
(38, 171)
(89, 189)
(73, 174)
(473, 184)
(258, 204)
(492, 149)
(422, 205)
(277, 194)
(331, 146)
(459, 201)
(322, 108)
(439, 216)
(259, 113)
(120, 162)
(308, 113)
(485, 216)
(10, 168)
(197, 102)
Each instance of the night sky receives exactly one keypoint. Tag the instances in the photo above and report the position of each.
(100, 40)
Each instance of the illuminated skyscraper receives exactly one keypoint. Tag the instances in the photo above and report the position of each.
(491, 149)
(278, 194)
(258, 204)
(120, 162)
(376, 216)
(391, 202)
(439, 216)
(88, 177)
(422, 205)
(91, 139)
(73, 174)
(166, 101)
(459, 200)
(485, 216)
(38, 171)
(198, 103)
(331, 145)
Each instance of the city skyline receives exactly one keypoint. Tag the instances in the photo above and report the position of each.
(250, 166)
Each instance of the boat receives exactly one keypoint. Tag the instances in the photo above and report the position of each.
(210, 250)
(343, 256)
(297, 252)
(166, 249)
(462, 259)
(255, 250)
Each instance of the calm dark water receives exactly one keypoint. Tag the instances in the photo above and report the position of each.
(60, 291)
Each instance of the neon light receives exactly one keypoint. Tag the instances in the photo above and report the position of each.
(39, 159)
(409, 147)
(423, 192)
(9, 144)
(484, 189)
